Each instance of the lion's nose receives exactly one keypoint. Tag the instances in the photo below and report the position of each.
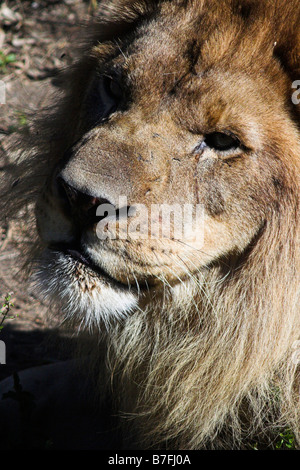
(79, 204)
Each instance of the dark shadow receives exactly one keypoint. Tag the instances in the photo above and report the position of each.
(34, 347)
(48, 401)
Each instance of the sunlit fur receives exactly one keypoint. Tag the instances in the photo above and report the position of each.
(210, 363)
(75, 294)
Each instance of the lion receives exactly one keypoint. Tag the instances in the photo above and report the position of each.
(183, 102)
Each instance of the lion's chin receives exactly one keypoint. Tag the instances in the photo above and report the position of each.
(84, 296)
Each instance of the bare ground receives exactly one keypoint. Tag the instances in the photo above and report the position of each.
(38, 37)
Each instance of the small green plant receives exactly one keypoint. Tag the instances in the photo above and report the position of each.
(5, 60)
(21, 123)
(93, 5)
(22, 118)
(5, 311)
(286, 440)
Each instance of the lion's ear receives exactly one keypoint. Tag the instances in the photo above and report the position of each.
(294, 55)
(288, 53)
(291, 63)
(287, 48)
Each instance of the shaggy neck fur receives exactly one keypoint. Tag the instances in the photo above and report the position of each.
(218, 370)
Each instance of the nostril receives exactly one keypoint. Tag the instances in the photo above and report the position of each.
(81, 205)
(91, 210)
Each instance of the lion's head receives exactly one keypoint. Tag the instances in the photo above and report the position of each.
(182, 104)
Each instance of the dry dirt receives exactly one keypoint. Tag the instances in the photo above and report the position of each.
(40, 35)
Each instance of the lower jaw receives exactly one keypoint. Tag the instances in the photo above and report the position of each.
(80, 293)
(86, 279)
(83, 263)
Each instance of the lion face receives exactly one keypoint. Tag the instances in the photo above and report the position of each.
(181, 112)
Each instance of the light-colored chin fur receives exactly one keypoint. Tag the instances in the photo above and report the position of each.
(83, 296)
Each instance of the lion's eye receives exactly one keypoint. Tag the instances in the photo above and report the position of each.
(111, 94)
(221, 141)
(112, 88)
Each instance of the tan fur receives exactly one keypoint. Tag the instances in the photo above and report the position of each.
(207, 359)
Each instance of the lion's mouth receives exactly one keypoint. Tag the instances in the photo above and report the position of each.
(78, 256)
(66, 276)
